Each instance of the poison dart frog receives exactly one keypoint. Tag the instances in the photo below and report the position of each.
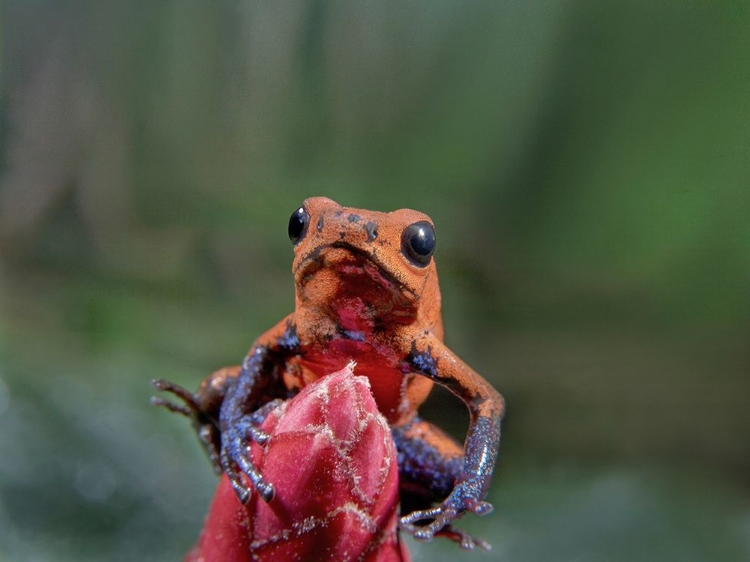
(366, 290)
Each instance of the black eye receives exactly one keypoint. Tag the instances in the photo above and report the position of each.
(298, 225)
(418, 242)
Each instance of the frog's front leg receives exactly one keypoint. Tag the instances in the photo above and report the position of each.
(432, 358)
(248, 402)
(203, 407)
(240, 419)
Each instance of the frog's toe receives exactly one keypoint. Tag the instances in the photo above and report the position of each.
(234, 456)
(210, 439)
(265, 490)
(408, 521)
(228, 463)
(464, 539)
(480, 507)
(158, 401)
(190, 408)
(440, 516)
(248, 429)
(242, 491)
(258, 435)
(204, 424)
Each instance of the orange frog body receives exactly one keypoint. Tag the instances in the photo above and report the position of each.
(366, 291)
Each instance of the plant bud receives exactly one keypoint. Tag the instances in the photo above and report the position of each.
(332, 462)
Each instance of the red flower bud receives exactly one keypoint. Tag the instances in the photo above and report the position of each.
(332, 462)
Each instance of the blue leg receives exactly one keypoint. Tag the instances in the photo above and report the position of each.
(430, 462)
(245, 406)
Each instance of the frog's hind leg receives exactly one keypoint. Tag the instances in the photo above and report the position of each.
(201, 407)
(429, 462)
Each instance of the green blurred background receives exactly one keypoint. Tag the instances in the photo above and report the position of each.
(587, 165)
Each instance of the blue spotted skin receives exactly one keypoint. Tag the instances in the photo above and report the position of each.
(422, 362)
(289, 341)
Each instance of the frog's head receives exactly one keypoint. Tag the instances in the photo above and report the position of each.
(378, 264)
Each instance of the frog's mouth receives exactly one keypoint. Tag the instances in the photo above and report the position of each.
(355, 269)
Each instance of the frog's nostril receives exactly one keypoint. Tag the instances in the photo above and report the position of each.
(372, 231)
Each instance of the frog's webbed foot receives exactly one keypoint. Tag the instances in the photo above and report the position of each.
(439, 519)
(235, 453)
(206, 426)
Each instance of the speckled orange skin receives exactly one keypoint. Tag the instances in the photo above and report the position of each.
(359, 297)
(337, 298)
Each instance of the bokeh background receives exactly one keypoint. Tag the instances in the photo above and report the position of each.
(587, 165)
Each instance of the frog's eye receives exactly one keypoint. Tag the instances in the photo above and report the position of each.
(418, 242)
(298, 225)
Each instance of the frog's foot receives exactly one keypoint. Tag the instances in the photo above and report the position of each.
(235, 453)
(440, 517)
(235, 459)
(205, 425)
(190, 409)
(464, 539)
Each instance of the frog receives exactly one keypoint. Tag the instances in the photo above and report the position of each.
(366, 290)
